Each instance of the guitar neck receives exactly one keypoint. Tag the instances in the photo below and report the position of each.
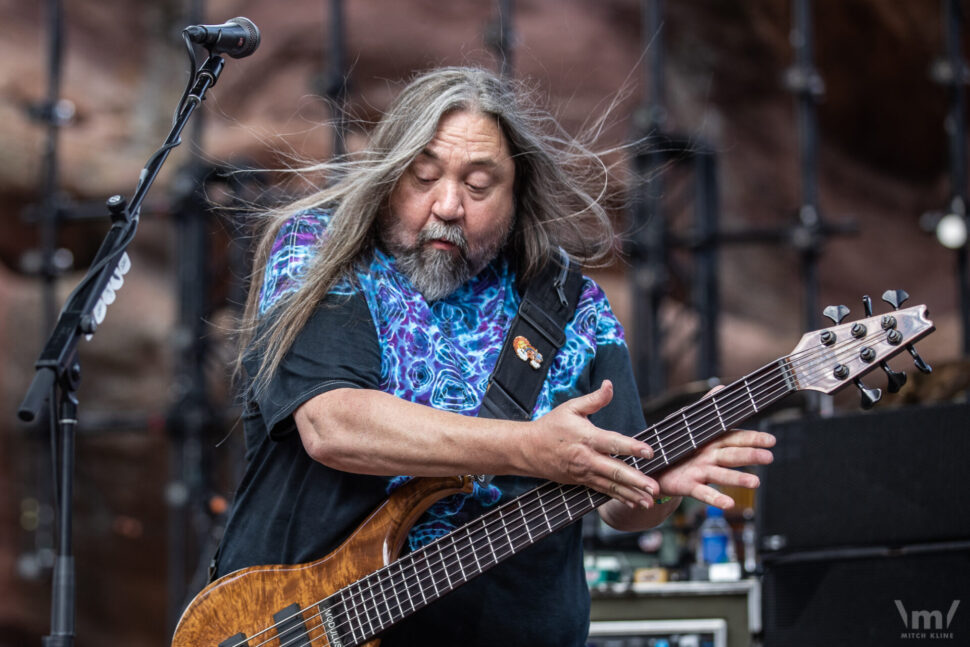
(360, 611)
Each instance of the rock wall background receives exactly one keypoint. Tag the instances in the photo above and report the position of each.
(882, 163)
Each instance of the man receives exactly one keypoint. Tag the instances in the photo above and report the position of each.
(371, 337)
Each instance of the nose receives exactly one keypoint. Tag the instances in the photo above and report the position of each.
(448, 201)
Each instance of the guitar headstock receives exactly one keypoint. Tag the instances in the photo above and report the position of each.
(829, 359)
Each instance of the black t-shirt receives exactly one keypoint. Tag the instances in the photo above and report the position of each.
(290, 509)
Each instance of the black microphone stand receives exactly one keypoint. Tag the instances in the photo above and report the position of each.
(58, 369)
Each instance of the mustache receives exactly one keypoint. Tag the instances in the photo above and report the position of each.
(449, 233)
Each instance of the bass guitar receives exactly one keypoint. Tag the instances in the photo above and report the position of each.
(363, 587)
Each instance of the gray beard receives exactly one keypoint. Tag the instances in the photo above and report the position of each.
(435, 273)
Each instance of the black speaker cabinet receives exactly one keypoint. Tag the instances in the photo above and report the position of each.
(864, 530)
(910, 599)
(891, 478)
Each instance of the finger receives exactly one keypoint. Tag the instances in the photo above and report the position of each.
(710, 496)
(748, 438)
(726, 477)
(742, 456)
(713, 391)
(592, 402)
(617, 471)
(616, 444)
(629, 496)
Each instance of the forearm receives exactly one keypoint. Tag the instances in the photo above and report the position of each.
(370, 432)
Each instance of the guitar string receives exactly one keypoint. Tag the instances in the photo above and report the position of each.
(394, 589)
(457, 557)
(577, 494)
(444, 564)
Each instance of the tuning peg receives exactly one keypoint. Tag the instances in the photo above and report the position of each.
(895, 298)
(920, 364)
(869, 396)
(867, 304)
(896, 379)
(836, 313)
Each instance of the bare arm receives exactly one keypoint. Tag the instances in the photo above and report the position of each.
(370, 432)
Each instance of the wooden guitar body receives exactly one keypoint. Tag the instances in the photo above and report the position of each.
(241, 607)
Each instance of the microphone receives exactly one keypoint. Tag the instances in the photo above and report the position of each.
(237, 38)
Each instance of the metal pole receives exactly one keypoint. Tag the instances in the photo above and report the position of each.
(336, 89)
(706, 297)
(50, 207)
(506, 39)
(807, 86)
(650, 235)
(956, 128)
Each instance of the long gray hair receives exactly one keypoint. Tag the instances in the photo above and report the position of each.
(560, 185)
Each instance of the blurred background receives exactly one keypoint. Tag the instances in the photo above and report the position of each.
(794, 155)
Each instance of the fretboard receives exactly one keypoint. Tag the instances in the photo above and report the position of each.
(358, 612)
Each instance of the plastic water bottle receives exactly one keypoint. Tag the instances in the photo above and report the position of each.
(716, 539)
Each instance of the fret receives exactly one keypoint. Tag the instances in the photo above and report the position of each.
(454, 547)
(404, 583)
(525, 520)
(365, 606)
(545, 514)
(505, 527)
(475, 551)
(635, 462)
(562, 493)
(788, 374)
(750, 395)
(491, 547)
(687, 425)
(444, 566)
(357, 609)
(718, 412)
(589, 493)
(387, 606)
(434, 583)
(663, 452)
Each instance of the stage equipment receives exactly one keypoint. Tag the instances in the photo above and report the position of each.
(685, 614)
(809, 234)
(47, 262)
(653, 244)
(657, 154)
(335, 81)
(951, 227)
(58, 368)
(857, 518)
(237, 38)
(500, 37)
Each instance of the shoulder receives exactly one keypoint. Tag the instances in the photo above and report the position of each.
(595, 316)
(293, 249)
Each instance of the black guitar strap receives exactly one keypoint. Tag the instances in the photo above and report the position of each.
(536, 335)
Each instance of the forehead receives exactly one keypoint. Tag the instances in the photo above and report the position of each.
(473, 136)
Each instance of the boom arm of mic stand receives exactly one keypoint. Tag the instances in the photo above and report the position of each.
(77, 317)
